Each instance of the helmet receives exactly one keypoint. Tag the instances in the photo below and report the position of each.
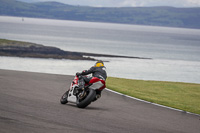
(99, 63)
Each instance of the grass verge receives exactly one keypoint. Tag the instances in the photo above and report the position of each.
(184, 96)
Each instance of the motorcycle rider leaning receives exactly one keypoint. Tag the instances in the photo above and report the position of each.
(98, 70)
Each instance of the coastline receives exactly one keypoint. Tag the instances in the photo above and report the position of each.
(26, 49)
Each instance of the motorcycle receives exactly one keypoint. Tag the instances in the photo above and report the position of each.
(82, 98)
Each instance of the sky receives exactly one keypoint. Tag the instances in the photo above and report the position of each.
(128, 3)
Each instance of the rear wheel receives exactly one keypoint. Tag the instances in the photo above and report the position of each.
(84, 102)
(64, 97)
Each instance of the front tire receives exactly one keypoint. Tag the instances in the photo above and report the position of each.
(89, 98)
(64, 97)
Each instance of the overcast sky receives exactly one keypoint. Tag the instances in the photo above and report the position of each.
(129, 3)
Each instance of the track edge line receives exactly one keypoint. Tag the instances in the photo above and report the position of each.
(163, 106)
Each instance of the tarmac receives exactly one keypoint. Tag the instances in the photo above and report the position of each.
(30, 103)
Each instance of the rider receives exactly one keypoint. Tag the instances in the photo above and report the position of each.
(98, 70)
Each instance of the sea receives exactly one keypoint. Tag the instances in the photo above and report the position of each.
(174, 52)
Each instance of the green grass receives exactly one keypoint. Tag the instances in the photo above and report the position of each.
(9, 41)
(5, 42)
(184, 96)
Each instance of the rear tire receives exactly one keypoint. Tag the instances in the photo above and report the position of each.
(89, 98)
(64, 97)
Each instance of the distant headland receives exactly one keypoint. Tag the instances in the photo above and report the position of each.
(26, 49)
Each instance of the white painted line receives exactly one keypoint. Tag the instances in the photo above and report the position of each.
(151, 102)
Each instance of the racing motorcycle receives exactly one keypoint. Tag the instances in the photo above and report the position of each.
(82, 98)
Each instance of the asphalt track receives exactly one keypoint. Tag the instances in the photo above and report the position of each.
(29, 103)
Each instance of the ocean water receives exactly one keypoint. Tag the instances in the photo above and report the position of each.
(175, 52)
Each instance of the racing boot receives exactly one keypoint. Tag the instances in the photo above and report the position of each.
(97, 97)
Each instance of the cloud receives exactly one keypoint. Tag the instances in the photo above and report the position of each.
(129, 3)
(136, 3)
(193, 2)
(174, 3)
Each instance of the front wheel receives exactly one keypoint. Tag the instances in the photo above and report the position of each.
(90, 96)
(64, 97)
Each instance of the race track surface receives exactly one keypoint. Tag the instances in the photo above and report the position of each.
(29, 103)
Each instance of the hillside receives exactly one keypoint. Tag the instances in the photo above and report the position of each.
(155, 16)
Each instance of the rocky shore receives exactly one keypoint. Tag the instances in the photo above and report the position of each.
(26, 49)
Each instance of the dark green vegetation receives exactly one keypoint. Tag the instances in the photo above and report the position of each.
(155, 16)
(27, 49)
(184, 96)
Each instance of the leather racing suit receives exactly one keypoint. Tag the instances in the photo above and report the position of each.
(99, 72)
